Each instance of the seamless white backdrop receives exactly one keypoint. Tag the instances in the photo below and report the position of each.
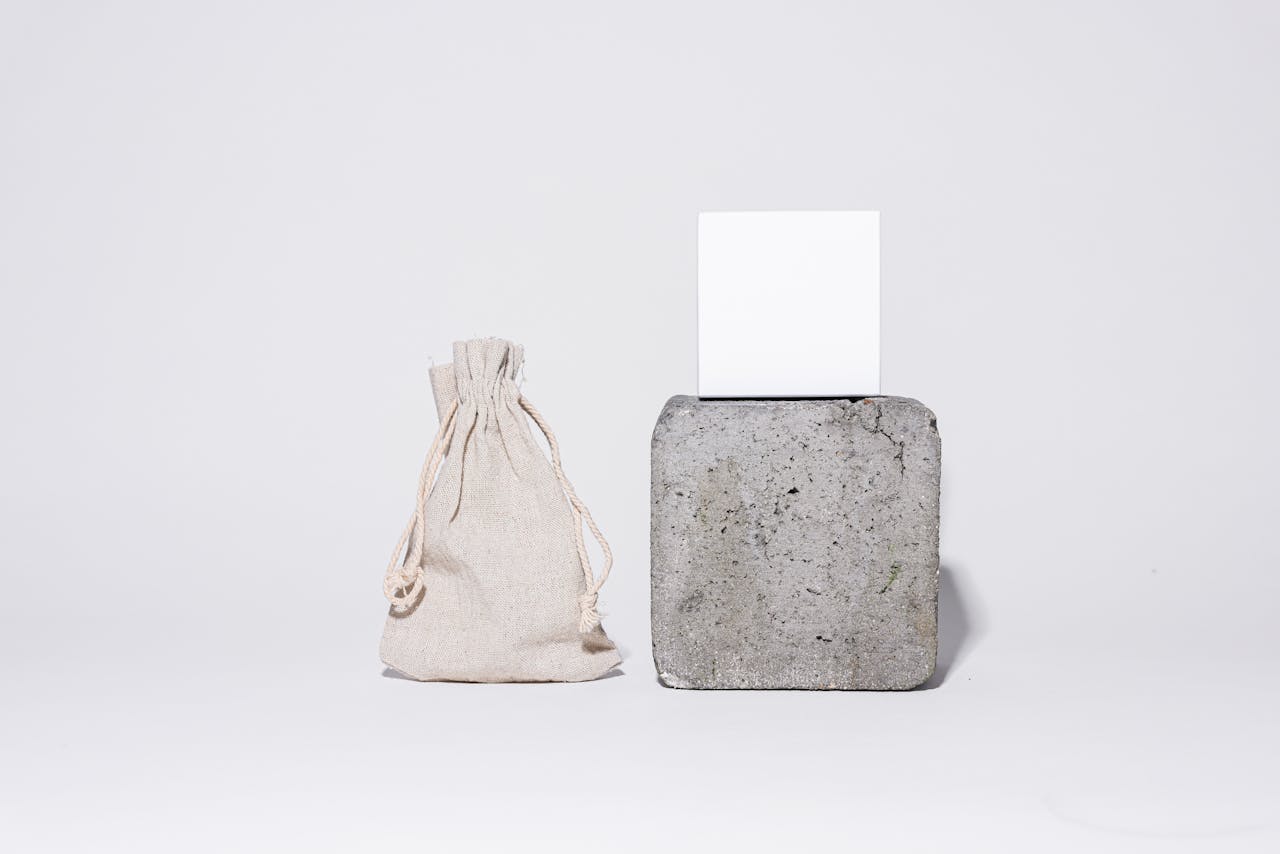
(233, 236)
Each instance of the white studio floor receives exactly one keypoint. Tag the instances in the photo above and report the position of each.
(208, 743)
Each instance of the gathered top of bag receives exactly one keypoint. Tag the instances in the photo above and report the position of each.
(485, 371)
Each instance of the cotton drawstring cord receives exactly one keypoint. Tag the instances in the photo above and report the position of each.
(403, 581)
(590, 617)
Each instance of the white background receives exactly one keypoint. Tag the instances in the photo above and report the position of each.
(233, 235)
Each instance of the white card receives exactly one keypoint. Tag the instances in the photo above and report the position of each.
(789, 304)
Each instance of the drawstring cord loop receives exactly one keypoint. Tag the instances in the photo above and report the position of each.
(403, 580)
(589, 616)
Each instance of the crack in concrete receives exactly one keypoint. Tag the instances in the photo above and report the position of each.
(902, 464)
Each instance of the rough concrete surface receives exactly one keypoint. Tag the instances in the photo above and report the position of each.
(795, 543)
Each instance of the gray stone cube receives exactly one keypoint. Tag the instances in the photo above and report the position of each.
(795, 543)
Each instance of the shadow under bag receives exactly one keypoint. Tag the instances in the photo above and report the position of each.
(495, 584)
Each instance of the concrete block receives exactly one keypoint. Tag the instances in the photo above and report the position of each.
(794, 543)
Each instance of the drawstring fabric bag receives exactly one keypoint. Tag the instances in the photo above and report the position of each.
(495, 584)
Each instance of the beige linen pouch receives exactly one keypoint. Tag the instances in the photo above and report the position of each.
(495, 584)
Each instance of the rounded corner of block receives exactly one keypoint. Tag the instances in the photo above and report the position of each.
(670, 680)
(673, 405)
(920, 681)
(918, 410)
(679, 401)
(667, 678)
(929, 414)
(923, 677)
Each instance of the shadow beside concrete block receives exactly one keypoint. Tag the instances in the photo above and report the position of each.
(961, 624)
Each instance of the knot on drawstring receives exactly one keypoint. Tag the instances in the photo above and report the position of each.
(402, 588)
(590, 617)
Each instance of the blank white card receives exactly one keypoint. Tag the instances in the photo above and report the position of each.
(789, 304)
